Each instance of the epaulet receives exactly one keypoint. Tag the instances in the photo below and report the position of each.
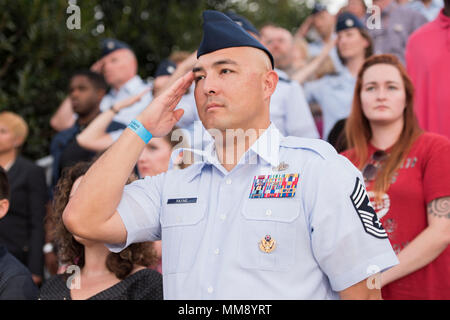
(284, 79)
(321, 147)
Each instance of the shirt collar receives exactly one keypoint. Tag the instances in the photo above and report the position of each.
(345, 72)
(134, 84)
(266, 147)
(130, 86)
(9, 165)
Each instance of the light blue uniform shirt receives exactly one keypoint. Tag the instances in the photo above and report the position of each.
(334, 94)
(131, 88)
(430, 12)
(289, 111)
(211, 229)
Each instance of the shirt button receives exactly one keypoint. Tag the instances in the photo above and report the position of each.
(216, 252)
(179, 219)
(210, 289)
(223, 217)
(228, 181)
(268, 212)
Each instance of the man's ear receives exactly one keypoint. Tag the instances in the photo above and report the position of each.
(270, 83)
(4, 206)
(100, 94)
(18, 142)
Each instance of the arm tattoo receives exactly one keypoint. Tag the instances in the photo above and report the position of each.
(439, 207)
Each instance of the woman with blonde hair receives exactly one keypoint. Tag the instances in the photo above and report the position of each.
(407, 174)
(22, 230)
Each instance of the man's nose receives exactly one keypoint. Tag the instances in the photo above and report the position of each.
(210, 86)
(74, 93)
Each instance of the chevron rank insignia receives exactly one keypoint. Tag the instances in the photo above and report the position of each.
(366, 212)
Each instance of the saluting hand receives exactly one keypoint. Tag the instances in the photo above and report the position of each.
(160, 116)
(97, 66)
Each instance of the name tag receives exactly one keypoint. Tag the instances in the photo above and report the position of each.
(182, 200)
(274, 186)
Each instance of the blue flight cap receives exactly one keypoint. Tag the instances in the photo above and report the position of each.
(109, 45)
(318, 7)
(165, 68)
(220, 32)
(243, 22)
(347, 20)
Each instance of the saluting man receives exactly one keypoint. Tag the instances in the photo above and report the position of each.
(261, 216)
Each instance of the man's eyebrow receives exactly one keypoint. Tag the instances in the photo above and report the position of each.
(217, 63)
(226, 61)
(197, 69)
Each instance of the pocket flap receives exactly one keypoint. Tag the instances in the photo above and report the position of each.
(182, 214)
(276, 209)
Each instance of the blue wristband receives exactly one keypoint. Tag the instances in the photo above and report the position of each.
(140, 130)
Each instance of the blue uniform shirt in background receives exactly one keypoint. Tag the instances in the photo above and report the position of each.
(334, 94)
(133, 87)
(430, 12)
(212, 230)
(289, 110)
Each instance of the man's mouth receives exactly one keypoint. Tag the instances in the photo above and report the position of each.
(213, 106)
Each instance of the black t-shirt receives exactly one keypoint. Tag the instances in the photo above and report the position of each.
(145, 284)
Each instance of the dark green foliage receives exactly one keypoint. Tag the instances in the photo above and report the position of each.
(38, 53)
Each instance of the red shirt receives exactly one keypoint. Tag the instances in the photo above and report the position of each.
(423, 177)
(428, 64)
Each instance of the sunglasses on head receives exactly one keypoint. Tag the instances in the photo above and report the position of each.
(370, 170)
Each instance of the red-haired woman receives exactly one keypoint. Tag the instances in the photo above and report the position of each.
(407, 174)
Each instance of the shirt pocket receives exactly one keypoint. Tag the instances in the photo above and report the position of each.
(182, 228)
(276, 218)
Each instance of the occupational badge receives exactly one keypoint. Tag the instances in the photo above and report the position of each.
(281, 167)
(267, 244)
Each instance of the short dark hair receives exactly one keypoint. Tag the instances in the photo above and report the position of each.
(4, 185)
(95, 78)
